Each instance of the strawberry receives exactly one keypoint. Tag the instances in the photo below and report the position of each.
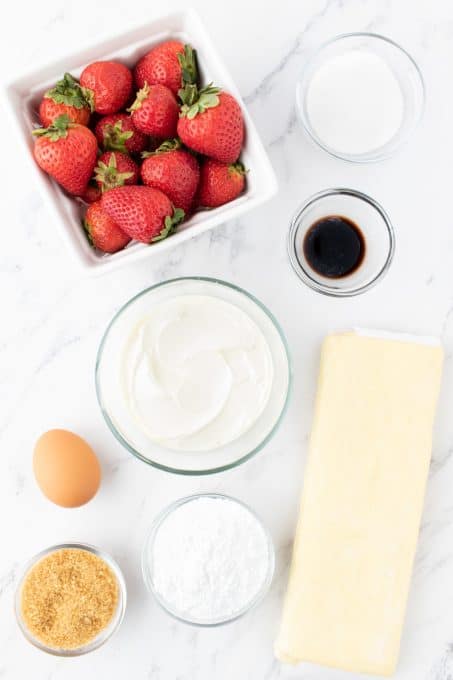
(107, 85)
(144, 213)
(67, 151)
(220, 183)
(173, 171)
(211, 123)
(155, 111)
(92, 193)
(171, 64)
(102, 231)
(65, 98)
(115, 169)
(118, 133)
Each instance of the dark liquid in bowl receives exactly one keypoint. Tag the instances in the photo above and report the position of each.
(334, 246)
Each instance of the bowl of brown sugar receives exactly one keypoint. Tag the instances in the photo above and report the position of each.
(70, 599)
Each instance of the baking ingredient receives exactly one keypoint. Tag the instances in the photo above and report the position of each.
(144, 213)
(117, 132)
(197, 373)
(211, 123)
(354, 102)
(102, 231)
(66, 468)
(171, 64)
(66, 97)
(68, 597)
(334, 246)
(210, 559)
(155, 111)
(174, 171)
(68, 152)
(107, 85)
(115, 169)
(220, 183)
(362, 501)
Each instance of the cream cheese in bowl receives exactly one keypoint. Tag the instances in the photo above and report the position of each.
(193, 375)
(197, 373)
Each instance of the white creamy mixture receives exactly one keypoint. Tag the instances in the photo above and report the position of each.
(209, 559)
(355, 103)
(197, 373)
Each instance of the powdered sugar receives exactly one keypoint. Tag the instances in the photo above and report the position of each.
(209, 559)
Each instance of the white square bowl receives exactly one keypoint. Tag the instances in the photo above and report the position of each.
(22, 96)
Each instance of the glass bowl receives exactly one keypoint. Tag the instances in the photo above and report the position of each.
(105, 634)
(376, 229)
(109, 380)
(404, 68)
(147, 564)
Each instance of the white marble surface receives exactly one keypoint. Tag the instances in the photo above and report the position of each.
(53, 319)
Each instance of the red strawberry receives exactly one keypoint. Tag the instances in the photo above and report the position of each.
(212, 124)
(67, 151)
(169, 64)
(107, 85)
(102, 231)
(220, 183)
(146, 214)
(173, 171)
(114, 169)
(65, 98)
(92, 193)
(118, 133)
(155, 111)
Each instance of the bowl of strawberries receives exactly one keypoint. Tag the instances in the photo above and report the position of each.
(141, 142)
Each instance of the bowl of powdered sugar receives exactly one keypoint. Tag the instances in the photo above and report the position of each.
(208, 559)
(360, 97)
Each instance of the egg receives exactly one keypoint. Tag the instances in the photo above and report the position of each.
(66, 468)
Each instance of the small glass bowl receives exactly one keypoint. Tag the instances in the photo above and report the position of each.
(403, 67)
(109, 380)
(147, 566)
(376, 229)
(105, 634)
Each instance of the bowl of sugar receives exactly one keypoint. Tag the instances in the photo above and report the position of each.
(208, 559)
(360, 97)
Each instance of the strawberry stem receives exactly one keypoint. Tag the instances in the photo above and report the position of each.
(195, 102)
(57, 130)
(139, 99)
(168, 145)
(107, 175)
(170, 224)
(69, 92)
(114, 137)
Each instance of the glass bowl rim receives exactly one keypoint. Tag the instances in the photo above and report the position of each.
(305, 276)
(220, 468)
(357, 158)
(151, 535)
(99, 640)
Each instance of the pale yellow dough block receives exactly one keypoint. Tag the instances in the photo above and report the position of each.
(361, 505)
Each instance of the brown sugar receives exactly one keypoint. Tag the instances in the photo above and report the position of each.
(68, 598)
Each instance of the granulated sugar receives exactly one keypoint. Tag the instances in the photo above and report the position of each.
(210, 558)
(355, 103)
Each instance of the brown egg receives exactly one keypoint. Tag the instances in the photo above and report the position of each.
(66, 468)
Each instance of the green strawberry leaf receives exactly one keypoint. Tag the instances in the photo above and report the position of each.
(58, 129)
(108, 176)
(195, 103)
(89, 97)
(140, 98)
(69, 92)
(168, 145)
(189, 67)
(170, 224)
(114, 137)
